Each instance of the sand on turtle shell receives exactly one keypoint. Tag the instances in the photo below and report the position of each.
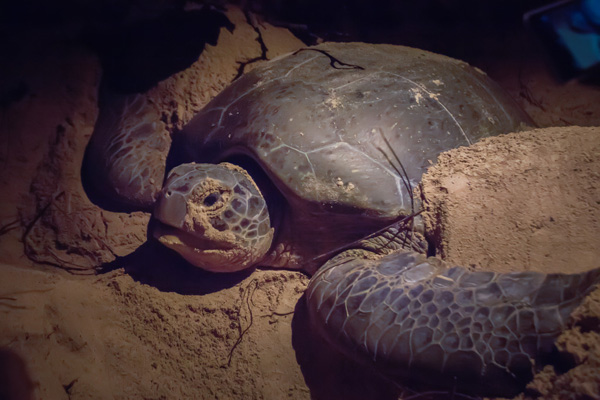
(150, 326)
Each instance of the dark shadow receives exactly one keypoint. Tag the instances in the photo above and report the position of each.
(329, 374)
(591, 77)
(16, 92)
(15, 381)
(589, 324)
(137, 56)
(155, 265)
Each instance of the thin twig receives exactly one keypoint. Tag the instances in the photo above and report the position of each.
(405, 180)
(60, 263)
(9, 226)
(278, 314)
(243, 332)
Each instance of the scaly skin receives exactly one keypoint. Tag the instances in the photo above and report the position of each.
(214, 216)
(413, 317)
(125, 159)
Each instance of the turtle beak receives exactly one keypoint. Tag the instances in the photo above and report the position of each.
(174, 238)
(171, 208)
(170, 227)
(170, 212)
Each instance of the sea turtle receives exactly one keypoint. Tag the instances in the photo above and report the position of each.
(309, 162)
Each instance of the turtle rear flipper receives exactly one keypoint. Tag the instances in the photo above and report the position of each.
(414, 319)
(124, 163)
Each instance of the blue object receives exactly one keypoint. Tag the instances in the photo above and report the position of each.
(571, 30)
(591, 10)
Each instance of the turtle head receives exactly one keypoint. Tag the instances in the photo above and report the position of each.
(214, 216)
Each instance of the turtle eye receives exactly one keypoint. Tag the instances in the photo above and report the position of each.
(211, 199)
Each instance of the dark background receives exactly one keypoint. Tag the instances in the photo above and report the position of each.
(127, 34)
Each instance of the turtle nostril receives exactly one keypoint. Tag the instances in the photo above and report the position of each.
(169, 193)
(211, 199)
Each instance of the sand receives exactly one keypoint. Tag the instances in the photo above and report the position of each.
(90, 309)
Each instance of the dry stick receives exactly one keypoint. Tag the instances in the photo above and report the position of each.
(9, 226)
(92, 234)
(39, 216)
(525, 92)
(403, 174)
(59, 262)
(249, 299)
(331, 253)
(279, 314)
(35, 220)
(9, 305)
(28, 250)
(243, 332)
(8, 298)
(405, 180)
(74, 268)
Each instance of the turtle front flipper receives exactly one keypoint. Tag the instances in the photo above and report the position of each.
(124, 163)
(413, 318)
